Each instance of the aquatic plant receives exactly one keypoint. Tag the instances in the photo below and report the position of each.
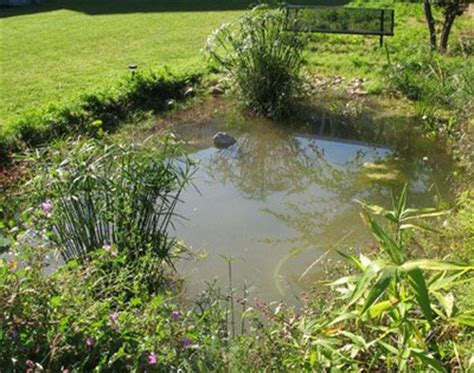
(263, 58)
(104, 195)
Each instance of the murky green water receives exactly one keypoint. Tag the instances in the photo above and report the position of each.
(284, 194)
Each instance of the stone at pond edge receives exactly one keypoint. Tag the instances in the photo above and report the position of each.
(223, 140)
(189, 92)
(216, 90)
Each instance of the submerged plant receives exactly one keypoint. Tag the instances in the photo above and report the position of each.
(109, 195)
(263, 58)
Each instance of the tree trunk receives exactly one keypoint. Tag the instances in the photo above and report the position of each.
(431, 24)
(446, 31)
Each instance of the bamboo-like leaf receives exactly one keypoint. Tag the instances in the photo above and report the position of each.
(345, 316)
(351, 259)
(363, 284)
(384, 280)
(464, 320)
(428, 360)
(418, 226)
(395, 252)
(378, 210)
(377, 309)
(435, 265)
(446, 282)
(447, 301)
(418, 284)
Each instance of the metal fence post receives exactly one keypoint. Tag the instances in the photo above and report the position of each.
(382, 26)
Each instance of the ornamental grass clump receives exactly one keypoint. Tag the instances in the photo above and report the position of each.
(103, 195)
(263, 59)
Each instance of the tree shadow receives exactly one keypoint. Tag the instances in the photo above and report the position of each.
(94, 7)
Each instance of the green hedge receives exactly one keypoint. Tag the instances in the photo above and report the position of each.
(101, 110)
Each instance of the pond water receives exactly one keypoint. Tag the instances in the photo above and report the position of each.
(284, 194)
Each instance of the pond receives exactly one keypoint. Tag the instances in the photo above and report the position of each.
(285, 193)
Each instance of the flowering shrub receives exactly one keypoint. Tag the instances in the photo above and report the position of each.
(98, 315)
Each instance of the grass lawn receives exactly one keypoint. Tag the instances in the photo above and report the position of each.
(58, 49)
(55, 50)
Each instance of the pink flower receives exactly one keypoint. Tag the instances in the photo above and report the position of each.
(106, 247)
(113, 317)
(89, 343)
(175, 315)
(152, 358)
(47, 207)
(114, 254)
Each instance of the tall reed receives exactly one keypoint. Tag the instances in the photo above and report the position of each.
(263, 58)
(119, 197)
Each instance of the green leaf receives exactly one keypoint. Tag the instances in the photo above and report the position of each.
(441, 281)
(418, 226)
(447, 302)
(428, 360)
(378, 308)
(378, 210)
(464, 320)
(345, 316)
(435, 265)
(379, 287)
(418, 284)
(402, 201)
(363, 283)
(352, 259)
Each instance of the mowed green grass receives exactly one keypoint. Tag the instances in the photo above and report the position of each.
(58, 49)
(53, 55)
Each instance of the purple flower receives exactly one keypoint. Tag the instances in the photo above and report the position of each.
(187, 342)
(114, 254)
(106, 247)
(14, 334)
(175, 315)
(89, 343)
(152, 358)
(113, 317)
(47, 207)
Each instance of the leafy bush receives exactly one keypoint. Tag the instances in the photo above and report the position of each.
(102, 110)
(394, 313)
(99, 315)
(121, 196)
(422, 75)
(391, 316)
(263, 58)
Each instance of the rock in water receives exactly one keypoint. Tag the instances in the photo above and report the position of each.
(222, 140)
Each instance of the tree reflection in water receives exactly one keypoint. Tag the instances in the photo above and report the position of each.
(282, 190)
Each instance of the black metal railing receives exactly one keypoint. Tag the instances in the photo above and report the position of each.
(341, 20)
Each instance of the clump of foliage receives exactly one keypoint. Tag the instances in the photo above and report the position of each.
(122, 196)
(395, 312)
(100, 315)
(96, 112)
(263, 58)
(437, 85)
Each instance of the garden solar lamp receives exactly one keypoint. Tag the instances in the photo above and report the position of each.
(133, 68)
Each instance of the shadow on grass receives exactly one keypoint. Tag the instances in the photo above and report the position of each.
(94, 7)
